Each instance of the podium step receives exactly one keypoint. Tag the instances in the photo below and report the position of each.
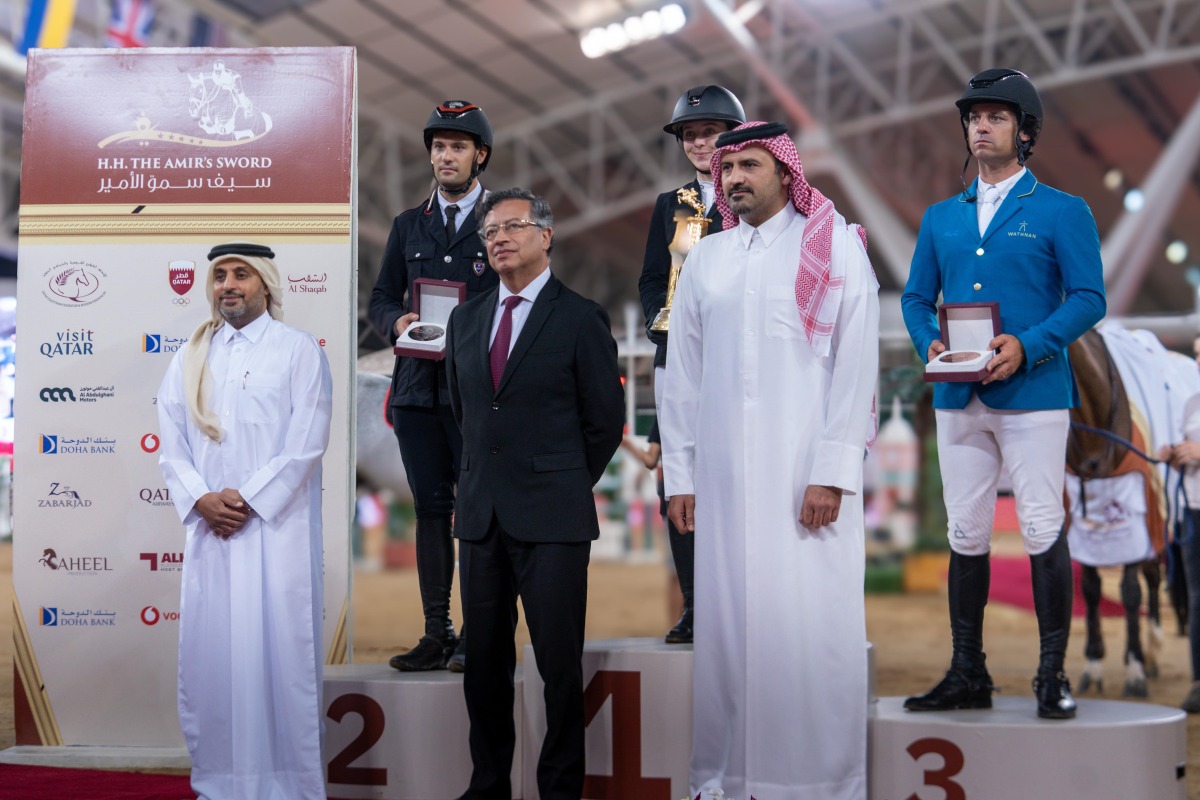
(401, 735)
(1112, 750)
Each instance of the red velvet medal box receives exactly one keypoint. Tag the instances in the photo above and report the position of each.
(433, 300)
(967, 330)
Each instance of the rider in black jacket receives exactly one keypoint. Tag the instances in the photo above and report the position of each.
(437, 239)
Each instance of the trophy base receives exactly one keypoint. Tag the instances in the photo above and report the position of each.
(661, 321)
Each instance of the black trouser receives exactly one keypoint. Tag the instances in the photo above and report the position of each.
(551, 580)
(431, 448)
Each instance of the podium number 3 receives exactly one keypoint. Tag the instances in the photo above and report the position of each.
(952, 764)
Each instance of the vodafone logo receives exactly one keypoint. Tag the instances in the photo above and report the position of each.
(149, 442)
(151, 615)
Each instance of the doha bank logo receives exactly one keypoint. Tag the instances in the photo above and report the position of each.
(157, 343)
(52, 444)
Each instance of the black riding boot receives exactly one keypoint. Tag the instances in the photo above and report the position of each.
(683, 553)
(1053, 595)
(435, 572)
(967, 683)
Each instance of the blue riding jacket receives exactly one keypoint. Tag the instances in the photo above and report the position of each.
(1039, 259)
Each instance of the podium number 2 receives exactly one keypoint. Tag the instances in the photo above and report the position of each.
(952, 764)
(372, 715)
(625, 689)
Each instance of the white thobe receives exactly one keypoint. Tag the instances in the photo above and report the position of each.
(251, 609)
(751, 417)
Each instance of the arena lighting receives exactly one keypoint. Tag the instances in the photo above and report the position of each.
(1113, 179)
(600, 41)
(1177, 251)
(1134, 200)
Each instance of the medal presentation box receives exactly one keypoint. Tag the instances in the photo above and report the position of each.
(433, 300)
(967, 329)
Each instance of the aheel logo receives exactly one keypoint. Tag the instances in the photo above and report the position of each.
(73, 564)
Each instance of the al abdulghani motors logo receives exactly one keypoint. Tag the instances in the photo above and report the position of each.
(74, 283)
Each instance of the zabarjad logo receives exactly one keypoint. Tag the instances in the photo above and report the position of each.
(221, 108)
(149, 443)
(61, 496)
(182, 274)
(74, 283)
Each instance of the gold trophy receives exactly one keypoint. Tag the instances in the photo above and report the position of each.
(688, 231)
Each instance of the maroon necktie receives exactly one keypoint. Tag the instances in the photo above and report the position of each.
(499, 354)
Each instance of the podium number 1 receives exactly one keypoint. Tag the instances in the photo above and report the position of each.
(952, 764)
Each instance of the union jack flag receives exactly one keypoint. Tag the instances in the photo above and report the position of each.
(130, 23)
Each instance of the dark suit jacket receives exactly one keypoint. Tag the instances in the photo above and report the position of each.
(656, 266)
(417, 248)
(533, 450)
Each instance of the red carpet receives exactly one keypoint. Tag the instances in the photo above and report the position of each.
(1011, 585)
(20, 782)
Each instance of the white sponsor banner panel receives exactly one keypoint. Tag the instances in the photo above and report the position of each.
(121, 202)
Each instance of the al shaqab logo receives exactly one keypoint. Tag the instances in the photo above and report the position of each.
(221, 108)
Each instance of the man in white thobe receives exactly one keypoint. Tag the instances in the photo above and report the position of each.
(768, 407)
(244, 414)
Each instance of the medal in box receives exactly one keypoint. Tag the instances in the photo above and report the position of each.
(967, 329)
(433, 300)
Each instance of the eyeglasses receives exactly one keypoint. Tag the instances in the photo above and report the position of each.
(984, 83)
(510, 228)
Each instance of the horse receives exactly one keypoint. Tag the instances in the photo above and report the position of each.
(220, 105)
(1105, 458)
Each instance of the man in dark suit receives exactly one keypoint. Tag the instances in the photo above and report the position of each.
(701, 115)
(532, 372)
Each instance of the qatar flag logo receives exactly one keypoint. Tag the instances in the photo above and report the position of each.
(182, 275)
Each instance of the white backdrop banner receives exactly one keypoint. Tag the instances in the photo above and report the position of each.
(134, 164)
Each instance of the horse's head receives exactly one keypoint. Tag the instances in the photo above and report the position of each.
(1103, 405)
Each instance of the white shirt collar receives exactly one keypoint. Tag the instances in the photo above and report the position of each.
(465, 204)
(530, 292)
(252, 331)
(1004, 186)
(769, 231)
